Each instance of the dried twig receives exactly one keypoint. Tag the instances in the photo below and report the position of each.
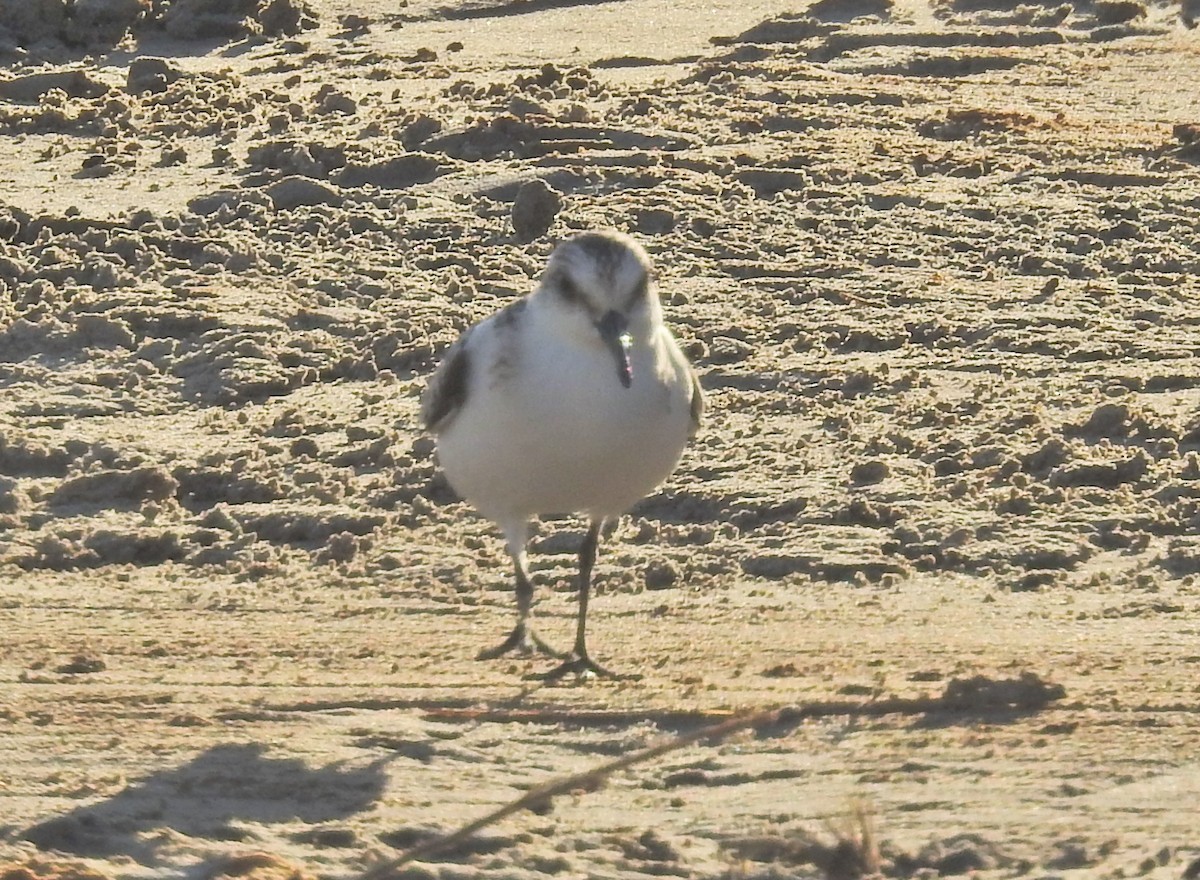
(976, 695)
(589, 780)
(583, 717)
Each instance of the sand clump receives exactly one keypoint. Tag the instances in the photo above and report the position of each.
(102, 24)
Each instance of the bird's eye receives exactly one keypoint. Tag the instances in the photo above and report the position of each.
(569, 290)
(641, 290)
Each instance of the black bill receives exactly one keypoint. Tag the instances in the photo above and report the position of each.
(614, 330)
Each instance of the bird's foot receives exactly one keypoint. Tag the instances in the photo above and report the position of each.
(523, 640)
(583, 666)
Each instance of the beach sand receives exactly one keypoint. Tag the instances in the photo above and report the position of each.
(937, 267)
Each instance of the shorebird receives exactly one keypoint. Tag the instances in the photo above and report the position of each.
(575, 399)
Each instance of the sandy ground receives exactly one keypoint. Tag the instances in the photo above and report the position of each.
(937, 267)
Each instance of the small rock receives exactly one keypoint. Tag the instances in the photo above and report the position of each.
(534, 209)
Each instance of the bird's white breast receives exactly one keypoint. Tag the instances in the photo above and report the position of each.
(547, 427)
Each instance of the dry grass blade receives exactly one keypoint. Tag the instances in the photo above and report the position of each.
(856, 853)
(589, 780)
(1028, 692)
(582, 717)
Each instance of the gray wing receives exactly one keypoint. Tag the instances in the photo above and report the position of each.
(697, 402)
(695, 392)
(447, 389)
(446, 392)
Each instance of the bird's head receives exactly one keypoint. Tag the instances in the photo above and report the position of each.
(601, 284)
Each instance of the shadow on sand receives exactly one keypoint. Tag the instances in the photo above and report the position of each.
(202, 798)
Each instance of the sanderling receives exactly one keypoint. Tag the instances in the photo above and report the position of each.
(573, 399)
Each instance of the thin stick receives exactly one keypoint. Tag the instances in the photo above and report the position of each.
(589, 780)
(967, 697)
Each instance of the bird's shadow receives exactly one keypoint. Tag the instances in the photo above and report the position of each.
(203, 798)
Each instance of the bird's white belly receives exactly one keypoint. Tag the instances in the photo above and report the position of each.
(566, 438)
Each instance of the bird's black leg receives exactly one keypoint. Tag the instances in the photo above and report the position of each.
(523, 639)
(580, 662)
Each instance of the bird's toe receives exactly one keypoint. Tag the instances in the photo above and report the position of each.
(522, 640)
(583, 666)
